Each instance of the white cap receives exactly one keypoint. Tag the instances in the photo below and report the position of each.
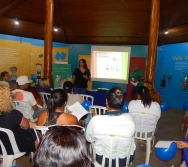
(23, 80)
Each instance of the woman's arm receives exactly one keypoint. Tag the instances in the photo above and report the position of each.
(73, 79)
(24, 124)
(32, 124)
(42, 118)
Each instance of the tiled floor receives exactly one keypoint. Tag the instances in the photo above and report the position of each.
(169, 128)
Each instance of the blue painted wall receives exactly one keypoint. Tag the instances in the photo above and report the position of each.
(172, 59)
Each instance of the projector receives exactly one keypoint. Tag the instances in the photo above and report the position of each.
(102, 90)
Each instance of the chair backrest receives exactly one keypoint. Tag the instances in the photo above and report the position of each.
(111, 147)
(44, 97)
(88, 97)
(25, 108)
(97, 110)
(11, 139)
(145, 124)
(40, 131)
(10, 151)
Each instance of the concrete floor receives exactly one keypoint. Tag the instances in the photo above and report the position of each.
(169, 128)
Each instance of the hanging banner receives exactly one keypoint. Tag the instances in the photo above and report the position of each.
(61, 73)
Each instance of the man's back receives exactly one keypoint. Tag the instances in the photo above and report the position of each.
(111, 124)
(25, 96)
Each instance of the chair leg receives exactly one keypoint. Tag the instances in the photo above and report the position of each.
(8, 161)
(186, 133)
(32, 154)
(148, 147)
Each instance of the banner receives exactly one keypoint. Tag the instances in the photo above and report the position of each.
(61, 73)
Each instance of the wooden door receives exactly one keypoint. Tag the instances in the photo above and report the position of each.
(142, 63)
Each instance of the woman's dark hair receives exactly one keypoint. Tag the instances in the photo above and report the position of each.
(145, 96)
(115, 98)
(67, 86)
(57, 99)
(62, 146)
(84, 62)
(3, 74)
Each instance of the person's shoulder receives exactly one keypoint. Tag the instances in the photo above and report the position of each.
(15, 113)
(43, 114)
(154, 103)
(68, 116)
(133, 102)
(99, 118)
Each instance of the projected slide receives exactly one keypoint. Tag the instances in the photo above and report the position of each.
(110, 65)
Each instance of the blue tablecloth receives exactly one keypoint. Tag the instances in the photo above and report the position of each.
(99, 97)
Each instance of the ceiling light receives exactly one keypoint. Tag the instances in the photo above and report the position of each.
(56, 29)
(166, 32)
(16, 22)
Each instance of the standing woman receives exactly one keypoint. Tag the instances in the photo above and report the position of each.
(80, 78)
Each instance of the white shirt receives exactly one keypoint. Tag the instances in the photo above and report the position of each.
(122, 125)
(137, 106)
(27, 97)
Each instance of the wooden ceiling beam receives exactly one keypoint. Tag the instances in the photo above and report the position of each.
(10, 6)
(60, 19)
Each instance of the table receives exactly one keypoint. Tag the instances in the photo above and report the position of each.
(99, 97)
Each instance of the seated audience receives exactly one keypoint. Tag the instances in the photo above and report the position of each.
(55, 110)
(114, 122)
(26, 96)
(72, 98)
(62, 146)
(44, 86)
(5, 78)
(13, 119)
(144, 103)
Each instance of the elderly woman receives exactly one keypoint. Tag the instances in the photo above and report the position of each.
(13, 119)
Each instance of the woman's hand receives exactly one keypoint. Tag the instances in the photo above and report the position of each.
(181, 144)
(86, 77)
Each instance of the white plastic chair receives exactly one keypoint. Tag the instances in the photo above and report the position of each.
(145, 129)
(186, 114)
(44, 97)
(9, 160)
(42, 130)
(25, 108)
(111, 146)
(88, 97)
(97, 110)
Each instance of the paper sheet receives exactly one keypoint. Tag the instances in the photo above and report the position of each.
(77, 110)
(163, 144)
(134, 83)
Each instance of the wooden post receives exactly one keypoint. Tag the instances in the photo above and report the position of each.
(153, 38)
(48, 39)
